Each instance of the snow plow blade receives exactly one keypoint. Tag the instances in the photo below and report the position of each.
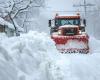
(72, 44)
(81, 51)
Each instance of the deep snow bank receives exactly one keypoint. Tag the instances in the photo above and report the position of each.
(31, 56)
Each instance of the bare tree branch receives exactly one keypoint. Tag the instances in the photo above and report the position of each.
(20, 11)
(12, 21)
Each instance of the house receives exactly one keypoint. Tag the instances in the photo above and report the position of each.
(8, 28)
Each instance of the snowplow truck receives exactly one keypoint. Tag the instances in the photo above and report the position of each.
(69, 35)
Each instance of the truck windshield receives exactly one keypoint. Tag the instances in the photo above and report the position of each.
(61, 22)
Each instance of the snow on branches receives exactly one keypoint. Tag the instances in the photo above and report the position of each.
(10, 9)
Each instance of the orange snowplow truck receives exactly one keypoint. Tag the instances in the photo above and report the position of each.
(68, 33)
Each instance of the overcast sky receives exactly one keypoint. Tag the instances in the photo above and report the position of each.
(60, 5)
(64, 5)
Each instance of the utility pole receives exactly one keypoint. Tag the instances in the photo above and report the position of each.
(85, 5)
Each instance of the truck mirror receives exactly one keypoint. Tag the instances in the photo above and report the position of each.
(84, 22)
(49, 23)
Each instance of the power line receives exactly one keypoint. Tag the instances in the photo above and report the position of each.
(75, 11)
(85, 5)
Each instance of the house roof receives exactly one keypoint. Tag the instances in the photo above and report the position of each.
(9, 25)
(3, 22)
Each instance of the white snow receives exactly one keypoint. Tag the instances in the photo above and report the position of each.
(72, 44)
(11, 26)
(18, 27)
(68, 26)
(3, 22)
(33, 56)
(68, 14)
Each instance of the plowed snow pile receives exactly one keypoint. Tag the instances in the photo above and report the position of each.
(33, 56)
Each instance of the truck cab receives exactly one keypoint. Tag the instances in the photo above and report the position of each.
(58, 21)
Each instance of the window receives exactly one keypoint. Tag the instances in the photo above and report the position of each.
(61, 22)
(2, 28)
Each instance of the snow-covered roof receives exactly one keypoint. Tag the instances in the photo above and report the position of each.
(11, 26)
(64, 26)
(67, 15)
(3, 22)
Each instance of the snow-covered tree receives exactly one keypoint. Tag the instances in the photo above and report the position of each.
(17, 11)
(93, 19)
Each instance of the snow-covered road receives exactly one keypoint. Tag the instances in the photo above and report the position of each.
(33, 56)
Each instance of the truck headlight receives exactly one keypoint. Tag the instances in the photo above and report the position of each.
(59, 32)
